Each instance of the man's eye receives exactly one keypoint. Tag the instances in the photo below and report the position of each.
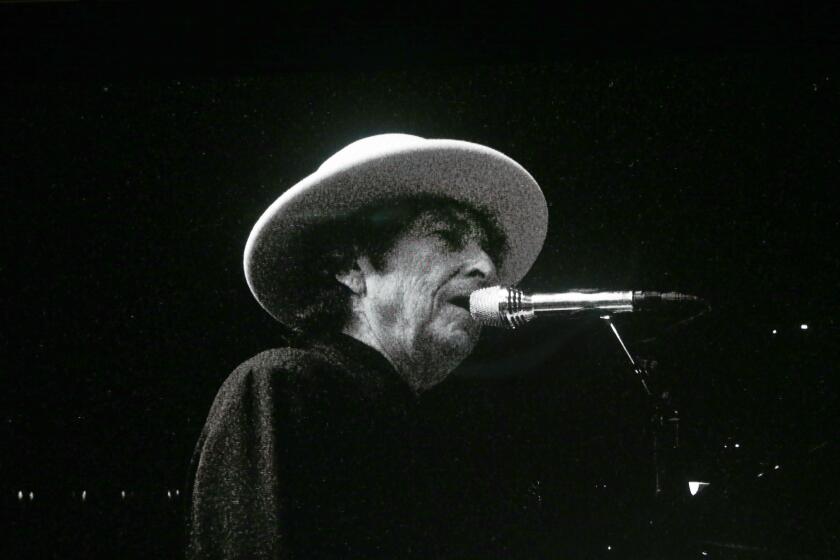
(452, 239)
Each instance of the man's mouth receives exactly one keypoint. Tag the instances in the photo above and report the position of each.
(461, 301)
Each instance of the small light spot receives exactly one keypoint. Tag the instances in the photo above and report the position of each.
(122, 494)
(20, 494)
(84, 495)
(609, 547)
(775, 468)
(704, 553)
(775, 331)
(737, 445)
(31, 496)
(760, 475)
(695, 486)
(169, 494)
(177, 492)
(803, 326)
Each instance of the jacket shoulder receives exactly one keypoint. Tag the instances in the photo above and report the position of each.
(289, 361)
(284, 373)
(279, 367)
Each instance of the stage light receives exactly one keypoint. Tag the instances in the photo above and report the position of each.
(20, 494)
(775, 331)
(84, 495)
(704, 553)
(177, 492)
(776, 468)
(609, 547)
(31, 496)
(695, 487)
(803, 326)
(169, 494)
(737, 445)
(760, 475)
(122, 494)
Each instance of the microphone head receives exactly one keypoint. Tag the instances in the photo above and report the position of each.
(501, 307)
(485, 306)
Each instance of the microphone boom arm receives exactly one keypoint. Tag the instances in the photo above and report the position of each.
(511, 308)
(613, 302)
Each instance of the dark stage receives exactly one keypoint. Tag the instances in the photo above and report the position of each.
(140, 148)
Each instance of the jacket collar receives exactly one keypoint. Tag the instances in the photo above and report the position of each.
(366, 364)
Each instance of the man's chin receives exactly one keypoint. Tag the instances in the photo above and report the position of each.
(443, 350)
(459, 341)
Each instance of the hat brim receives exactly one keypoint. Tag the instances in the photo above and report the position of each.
(470, 173)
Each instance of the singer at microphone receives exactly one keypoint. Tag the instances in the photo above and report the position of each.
(314, 449)
(511, 308)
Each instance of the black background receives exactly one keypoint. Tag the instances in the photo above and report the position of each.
(691, 150)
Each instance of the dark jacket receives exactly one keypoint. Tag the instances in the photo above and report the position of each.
(313, 453)
(324, 452)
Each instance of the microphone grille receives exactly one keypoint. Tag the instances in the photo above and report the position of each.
(485, 305)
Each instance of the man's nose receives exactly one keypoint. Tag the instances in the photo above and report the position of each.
(481, 266)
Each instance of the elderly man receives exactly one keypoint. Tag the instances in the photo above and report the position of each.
(316, 450)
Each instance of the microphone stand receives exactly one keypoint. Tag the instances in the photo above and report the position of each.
(664, 418)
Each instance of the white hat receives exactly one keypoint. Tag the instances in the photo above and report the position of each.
(386, 167)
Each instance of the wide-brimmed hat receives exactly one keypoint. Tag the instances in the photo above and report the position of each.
(386, 167)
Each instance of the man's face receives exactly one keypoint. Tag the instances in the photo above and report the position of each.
(417, 302)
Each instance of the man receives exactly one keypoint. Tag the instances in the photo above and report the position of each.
(317, 450)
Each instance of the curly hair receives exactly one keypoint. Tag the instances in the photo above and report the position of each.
(371, 231)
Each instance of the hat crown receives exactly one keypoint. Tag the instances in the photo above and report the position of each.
(367, 148)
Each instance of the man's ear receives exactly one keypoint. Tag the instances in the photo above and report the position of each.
(356, 277)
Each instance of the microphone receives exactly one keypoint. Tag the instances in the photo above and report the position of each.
(511, 308)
